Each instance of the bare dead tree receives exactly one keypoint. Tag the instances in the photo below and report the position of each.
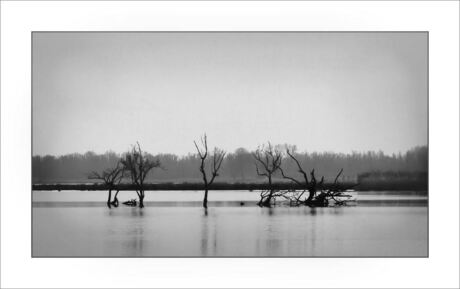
(268, 162)
(309, 185)
(138, 166)
(111, 178)
(217, 159)
(317, 195)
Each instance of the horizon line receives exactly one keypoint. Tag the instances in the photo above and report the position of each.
(234, 151)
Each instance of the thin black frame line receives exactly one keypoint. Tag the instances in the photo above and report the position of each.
(238, 257)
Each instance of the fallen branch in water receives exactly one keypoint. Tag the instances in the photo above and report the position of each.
(318, 195)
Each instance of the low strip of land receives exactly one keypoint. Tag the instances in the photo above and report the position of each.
(368, 186)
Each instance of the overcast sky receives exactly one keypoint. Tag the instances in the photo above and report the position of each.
(338, 92)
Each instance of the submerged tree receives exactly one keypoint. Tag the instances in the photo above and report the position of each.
(217, 159)
(317, 195)
(138, 165)
(111, 178)
(268, 162)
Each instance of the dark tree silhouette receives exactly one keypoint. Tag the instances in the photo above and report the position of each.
(269, 159)
(217, 159)
(310, 185)
(137, 165)
(111, 178)
(314, 198)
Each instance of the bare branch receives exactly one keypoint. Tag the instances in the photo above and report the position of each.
(337, 177)
(298, 166)
(217, 159)
(95, 176)
(270, 160)
(198, 150)
(138, 165)
(289, 178)
(259, 173)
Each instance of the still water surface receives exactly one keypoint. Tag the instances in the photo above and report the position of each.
(77, 223)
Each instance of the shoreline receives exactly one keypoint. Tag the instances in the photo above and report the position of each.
(368, 186)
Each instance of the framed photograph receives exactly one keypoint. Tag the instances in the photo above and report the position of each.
(305, 149)
(307, 144)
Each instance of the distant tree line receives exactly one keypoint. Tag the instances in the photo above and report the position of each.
(270, 163)
(237, 166)
(391, 180)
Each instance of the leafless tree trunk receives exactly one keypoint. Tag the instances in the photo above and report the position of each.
(312, 186)
(217, 159)
(111, 178)
(138, 166)
(115, 199)
(269, 159)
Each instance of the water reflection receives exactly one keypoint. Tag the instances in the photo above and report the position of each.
(136, 238)
(270, 211)
(310, 240)
(127, 225)
(204, 233)
(230, 231)
(208, 233)
(137, 212)
(135, 241)
(338, 210)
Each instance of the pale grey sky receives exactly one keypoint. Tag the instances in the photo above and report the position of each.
(338, 92)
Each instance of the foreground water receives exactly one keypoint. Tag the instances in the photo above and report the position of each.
(76, 223)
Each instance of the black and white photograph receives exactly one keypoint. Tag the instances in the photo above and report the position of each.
(229, 144)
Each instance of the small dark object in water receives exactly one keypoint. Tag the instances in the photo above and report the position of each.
(241, 203)
(340, 203)
(131, 203)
